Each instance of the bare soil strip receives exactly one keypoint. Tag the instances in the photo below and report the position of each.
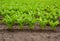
(29, 35)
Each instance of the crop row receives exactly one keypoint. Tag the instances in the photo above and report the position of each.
(30, 12)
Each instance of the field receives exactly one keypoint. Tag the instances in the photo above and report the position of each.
(29, 20)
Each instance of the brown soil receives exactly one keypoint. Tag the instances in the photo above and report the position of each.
(28, 35)
(17, 35)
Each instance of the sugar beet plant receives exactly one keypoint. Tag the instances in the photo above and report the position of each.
(30, 12)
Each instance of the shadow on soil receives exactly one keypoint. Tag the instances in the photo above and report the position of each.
(27, 30)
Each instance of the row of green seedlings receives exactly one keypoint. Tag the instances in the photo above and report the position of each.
(30, 14)
(21, 19)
